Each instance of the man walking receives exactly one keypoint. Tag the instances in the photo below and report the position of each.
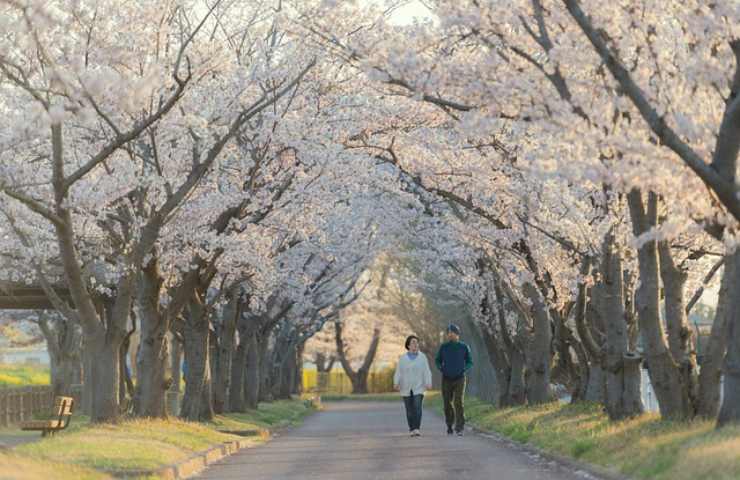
(454, 360)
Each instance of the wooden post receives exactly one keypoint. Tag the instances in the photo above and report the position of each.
(15, 402)
(22, 405)
(3, 409)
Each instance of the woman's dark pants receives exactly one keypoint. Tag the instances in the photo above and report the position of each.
(413, 405)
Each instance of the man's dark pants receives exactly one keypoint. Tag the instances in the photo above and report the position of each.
(453, 391)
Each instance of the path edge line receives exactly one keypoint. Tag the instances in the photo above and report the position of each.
(592, 471)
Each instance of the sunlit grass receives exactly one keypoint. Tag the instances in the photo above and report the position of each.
(19, 467)
(642, 447)
(150, 444)
(277, 414)
(136, 444)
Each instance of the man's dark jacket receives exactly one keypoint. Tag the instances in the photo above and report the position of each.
(454, 360)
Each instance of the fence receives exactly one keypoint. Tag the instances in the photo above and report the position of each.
(21, 404)
(336, 381)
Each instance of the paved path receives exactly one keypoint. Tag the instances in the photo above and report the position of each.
(367, 440)
(14, 436)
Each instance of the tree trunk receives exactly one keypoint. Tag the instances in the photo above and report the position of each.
(238, 367)
(359, 377)
(623, 399)
(104, 375)
(567, 370)
(680, 338)
(63, 341)
(663, 371)
(265, 369)
(324, 364)
(87, 378)
(596, 388)
(359, 382)
(710, 375)
(539, 354)
(298, 380)
(126, 386)
(152, 358)
(515, 347)
(580, 387)
(517, 382)
(287, 374)
(277, 366)
(590, 323)
(225, 352)
(103, 333)
(729, 413)
(502, 352)
(66, 371)
(151, 383)
(175, 364)
(252, 374)
(197, 401)
(175, 371)
(500, 362)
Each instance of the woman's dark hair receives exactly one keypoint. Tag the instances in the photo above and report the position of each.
(408, 340)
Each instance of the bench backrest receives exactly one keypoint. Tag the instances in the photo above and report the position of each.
(63, 409)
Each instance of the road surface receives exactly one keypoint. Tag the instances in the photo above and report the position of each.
(368, 440)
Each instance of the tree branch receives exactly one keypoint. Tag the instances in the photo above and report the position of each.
(725, 188)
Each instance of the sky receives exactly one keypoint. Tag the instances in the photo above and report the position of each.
(405, 14)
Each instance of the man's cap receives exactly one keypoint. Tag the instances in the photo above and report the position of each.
(453, 328)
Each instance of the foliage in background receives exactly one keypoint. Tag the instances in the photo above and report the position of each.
(23, 375)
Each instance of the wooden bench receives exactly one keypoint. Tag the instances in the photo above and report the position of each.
(61, 416)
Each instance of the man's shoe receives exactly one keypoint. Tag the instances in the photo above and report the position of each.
(459, 433)
(449, 431)
(416, 433)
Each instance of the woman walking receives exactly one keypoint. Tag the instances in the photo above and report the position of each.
(412, 378)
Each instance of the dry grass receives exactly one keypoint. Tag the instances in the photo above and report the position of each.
(19, 467)
(129, 445)
(644, 447)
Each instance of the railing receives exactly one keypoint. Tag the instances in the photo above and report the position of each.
(21, 404)
(336, 381)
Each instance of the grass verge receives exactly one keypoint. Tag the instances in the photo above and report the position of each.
(16, 467)
(136, 445)
(645, 447)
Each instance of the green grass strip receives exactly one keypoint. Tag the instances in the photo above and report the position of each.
(645, 447)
